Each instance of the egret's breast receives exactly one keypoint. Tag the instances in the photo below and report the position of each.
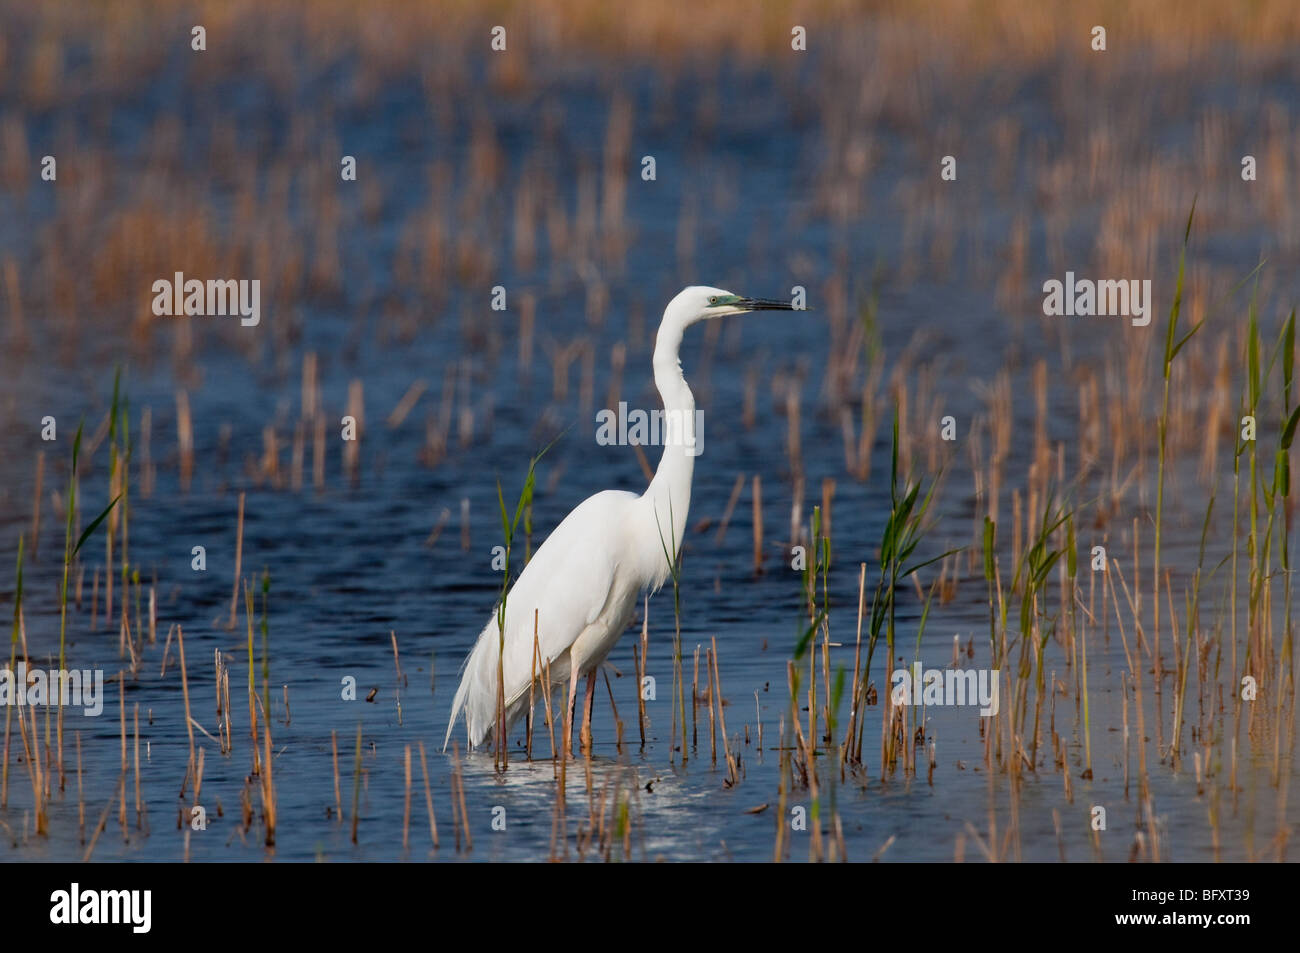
(599, 638)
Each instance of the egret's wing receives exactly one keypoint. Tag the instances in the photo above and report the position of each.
(567, 582)
(566, 585)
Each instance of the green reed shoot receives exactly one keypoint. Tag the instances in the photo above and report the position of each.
(69, 554)
(1193, 616)
(904, 529)
(1173, 344)
(991, 579)
(508, 528)
(265, 629)
(13, 663)
(1036, 629)
(903, 532)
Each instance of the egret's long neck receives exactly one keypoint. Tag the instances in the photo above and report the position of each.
(669, 493)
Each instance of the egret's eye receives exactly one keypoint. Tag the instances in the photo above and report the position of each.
(713, 299)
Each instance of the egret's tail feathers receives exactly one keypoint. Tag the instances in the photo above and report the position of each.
(477, 692)
(456, 705)
(476, 696)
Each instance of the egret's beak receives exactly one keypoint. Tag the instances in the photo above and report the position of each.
(762, 304)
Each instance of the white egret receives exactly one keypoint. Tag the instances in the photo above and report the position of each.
(584, 581)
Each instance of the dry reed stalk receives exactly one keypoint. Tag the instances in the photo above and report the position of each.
(103, 819)
(318, 454)
(502, 753)
(640, 704)
(139, 802)
(351, 448)
(713, 735)
(732, 773)
(644, 658)
(826, 675)
(185, 691)
(527, 320)
(167, 648)
(460, 796)
(297, 448)
(758, 523)
(695, 698)
(438, 527)
(35, 768)
(125, 640)
(36, 502)
(239, 556)
(252, 688)
(270, 466)
(546, 699)
(428, 798)
(532, 685)
(465, 420)
(794, 447)
(114, 482)
(184, 439)
(397, 664)
(812, 703)
(800, 744)
(732, 500)
(268, 786)
(356, 787)
(407, 403)
(338, 797)
(4, 774)
(796, 510)
(225, 693)
(1134, 659)
(17, 328)
(618, 722)
(121, 707)
(783, 773)
(198, 776)
(406, 808)
(81, 800)
(146, 454)
(221, 729)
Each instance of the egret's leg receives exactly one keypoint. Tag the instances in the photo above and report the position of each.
(586, 711)
(568, 724)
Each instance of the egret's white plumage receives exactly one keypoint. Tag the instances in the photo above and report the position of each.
(584, 581)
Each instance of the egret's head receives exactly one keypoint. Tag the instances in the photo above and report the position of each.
(700, 302)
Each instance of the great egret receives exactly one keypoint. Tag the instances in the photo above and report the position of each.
(584, 580)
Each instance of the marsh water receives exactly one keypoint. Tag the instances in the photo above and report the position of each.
(742, 199)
